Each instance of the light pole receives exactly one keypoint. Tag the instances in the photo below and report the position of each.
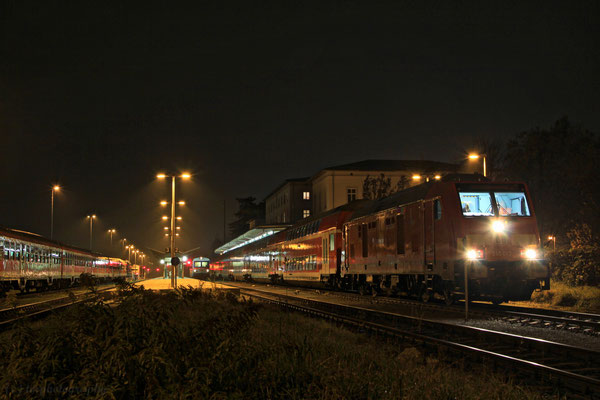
(129, 247)
(553, 239)
(55, 188)
(91, 218)
(182, 176)
(475, 157)
(123, 240)
(111, 232)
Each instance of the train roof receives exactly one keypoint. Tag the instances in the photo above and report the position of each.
(39, 239)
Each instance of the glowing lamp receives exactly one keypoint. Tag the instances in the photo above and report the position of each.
(530, 254)
(499, 226)
(474, 254)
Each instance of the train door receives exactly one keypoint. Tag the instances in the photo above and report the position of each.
(325, 264)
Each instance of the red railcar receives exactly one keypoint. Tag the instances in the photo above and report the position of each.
(30, 261)
(419, 241)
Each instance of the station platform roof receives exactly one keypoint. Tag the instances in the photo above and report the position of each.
(250, 236)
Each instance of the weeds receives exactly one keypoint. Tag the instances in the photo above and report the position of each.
(193, 344)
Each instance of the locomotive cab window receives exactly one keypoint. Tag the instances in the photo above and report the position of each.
(511, 204)
(476, 204)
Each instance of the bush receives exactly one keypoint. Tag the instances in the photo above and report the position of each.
(580, 264)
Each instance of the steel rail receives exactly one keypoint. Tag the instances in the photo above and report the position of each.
(535, 349)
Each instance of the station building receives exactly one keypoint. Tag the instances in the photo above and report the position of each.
(331, 187)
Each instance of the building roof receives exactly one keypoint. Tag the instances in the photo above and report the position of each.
(394, 165)
(250, 236)
(290, 180)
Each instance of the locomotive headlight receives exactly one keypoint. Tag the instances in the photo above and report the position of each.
(530, 254)
(474, 254)
(499, 226)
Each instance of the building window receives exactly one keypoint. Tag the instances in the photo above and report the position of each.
(351, 194)
(305, 213)
(305, 195)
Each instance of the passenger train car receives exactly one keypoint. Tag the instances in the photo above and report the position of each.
(420, 242)
(200, 268)
(29, 261)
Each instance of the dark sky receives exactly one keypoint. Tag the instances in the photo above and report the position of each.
(99, 96)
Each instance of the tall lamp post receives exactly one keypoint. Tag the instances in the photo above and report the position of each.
(111, 232)
(55, 188)
(91, 218)
(553, 239)
(173, 267)
(476, 157)
(129, 247)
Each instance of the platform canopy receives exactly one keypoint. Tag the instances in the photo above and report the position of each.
(252, 235)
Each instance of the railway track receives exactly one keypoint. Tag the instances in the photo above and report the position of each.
(534, 317)
(539, 362)
(32, 311)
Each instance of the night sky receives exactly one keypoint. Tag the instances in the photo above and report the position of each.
(100, 96)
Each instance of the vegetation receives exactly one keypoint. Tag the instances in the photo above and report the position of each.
(582, 298)
(193, 344)
(248, 210)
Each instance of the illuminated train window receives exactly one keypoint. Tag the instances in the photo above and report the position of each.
(512, 204)
(476, 204)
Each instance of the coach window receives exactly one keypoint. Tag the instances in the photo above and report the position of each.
(400, 234)
(437, 209)
(332, 241)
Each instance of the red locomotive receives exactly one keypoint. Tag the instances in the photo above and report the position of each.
(29, 261)
(418, 242)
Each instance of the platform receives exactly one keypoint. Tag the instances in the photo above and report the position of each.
(165, 284)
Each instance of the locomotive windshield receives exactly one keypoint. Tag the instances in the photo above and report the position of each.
(476, 204)
(512, 204)
(503, 204)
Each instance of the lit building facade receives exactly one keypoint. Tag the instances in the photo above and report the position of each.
(289, 202)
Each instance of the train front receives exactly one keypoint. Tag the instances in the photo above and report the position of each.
(499, 242)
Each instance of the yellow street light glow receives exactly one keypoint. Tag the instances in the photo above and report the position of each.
(530, 254)
(165, 217)
(166, 228)
(181, 203)
(166, 234)
(92, 216)
(438, 177)
(164, 203)
(56, 188)
(416, 177)
(177, 234)
(550, 237)
(178, 227)
(186, 175)
(161, 176)
(473, 156)
(179, 218)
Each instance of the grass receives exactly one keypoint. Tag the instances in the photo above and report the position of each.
(197, 345)
(575, 298)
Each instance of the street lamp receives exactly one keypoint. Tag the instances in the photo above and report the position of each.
(553, 239)
(129, 247)
(111, 232)
(91, 218)
(474, 156)
(182, 176)
(55, 188)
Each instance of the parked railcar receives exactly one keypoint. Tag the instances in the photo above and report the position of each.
(200, 268)
(29, 261)
(418, 242)
(421, 241)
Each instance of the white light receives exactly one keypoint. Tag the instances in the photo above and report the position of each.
(162, 261)
(499, 226)
(474, 254)
(184, 258)
(530, 254)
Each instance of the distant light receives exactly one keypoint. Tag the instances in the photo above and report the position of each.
(166, 234)
(165, 217)
(530, 254)
(186, 175)
(474, 254)
(164, 203)
(162, 261)
(56, 188)
(550, 237)
(473, 156)
(158, 269)
(184, 258)
(177, 234)
(181, 203)
(178, 227)
(179, 218)
(438, 177)
(416, 177)
(161, 176)
(166, 228)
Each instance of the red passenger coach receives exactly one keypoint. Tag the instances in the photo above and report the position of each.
(29, 261)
